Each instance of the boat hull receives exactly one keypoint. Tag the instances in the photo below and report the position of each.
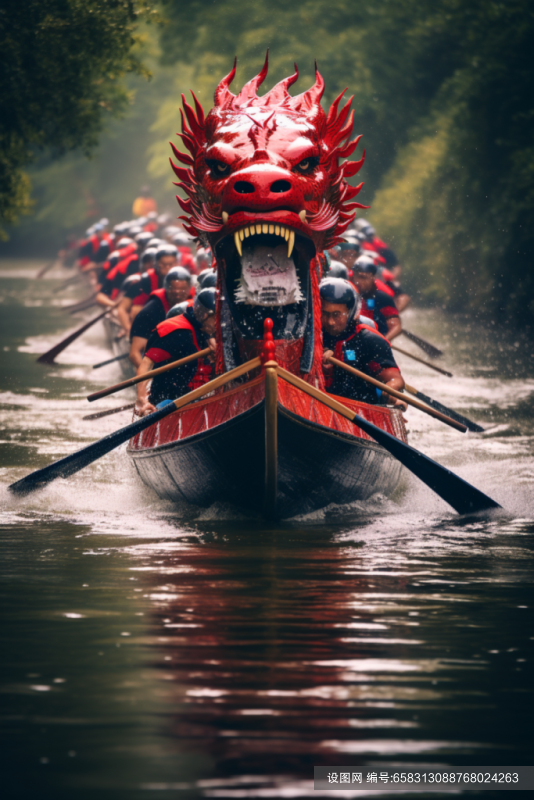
(318, 464)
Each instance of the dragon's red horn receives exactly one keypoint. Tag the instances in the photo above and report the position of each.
(250, 89)
(222, 93)
(313, 96)
(279, 93)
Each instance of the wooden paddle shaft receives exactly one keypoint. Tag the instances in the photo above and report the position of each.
(399, 395)
(110, 411)
(421, 360)
(49, 356)
(271, 439)
(147, 376)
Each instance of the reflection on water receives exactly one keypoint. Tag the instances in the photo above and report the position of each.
(150, 654)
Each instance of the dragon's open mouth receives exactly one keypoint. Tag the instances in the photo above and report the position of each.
(267, 264)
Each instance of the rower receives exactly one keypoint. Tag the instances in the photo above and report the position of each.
(337, 270)
(376, 303)
(388, 260)
(115, 277)
(173, 339)
(347, 338)
(155, 264)
(176, 287)
(348, 252)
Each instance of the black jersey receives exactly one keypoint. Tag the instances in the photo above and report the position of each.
(367, 351)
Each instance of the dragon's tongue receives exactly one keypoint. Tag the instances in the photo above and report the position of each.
(268, 276)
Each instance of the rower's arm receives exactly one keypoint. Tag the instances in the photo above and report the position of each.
(394, 327)
(137, 350)
(123, 313)
(103, 300)
(401, 301)
(143, 406)
(392, 377)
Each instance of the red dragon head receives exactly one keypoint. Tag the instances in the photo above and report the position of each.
(266, 189)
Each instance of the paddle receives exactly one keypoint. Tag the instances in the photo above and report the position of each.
(50, 355)
(428, 348)
(67, 283)
(82, 305)
(82, 458)
(110, 361)
(463, 497)
(45, 269)
(147, 376)
(110, 411)
(421, 361)
(394, 393)
(472, 426)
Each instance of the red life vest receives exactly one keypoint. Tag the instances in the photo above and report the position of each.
(142, 299)
(384, 287)
(161, 295)
(204, 370)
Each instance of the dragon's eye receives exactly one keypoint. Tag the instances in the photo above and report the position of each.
(307, 165)
(218, 169)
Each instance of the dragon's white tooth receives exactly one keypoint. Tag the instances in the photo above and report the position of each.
(241, 234)
(247, 232)
(265, 228)
(225, 218)
(258, 228)
(277, 230)
(271, 228)
(290, 243)
(237, 242)
(302, 215)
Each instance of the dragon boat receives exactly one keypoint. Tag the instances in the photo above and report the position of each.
(265, 185)
(119, 346)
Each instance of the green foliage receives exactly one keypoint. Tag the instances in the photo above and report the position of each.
(61, 65)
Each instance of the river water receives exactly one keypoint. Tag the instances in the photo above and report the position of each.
(153, 652)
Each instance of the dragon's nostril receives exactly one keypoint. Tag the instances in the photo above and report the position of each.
(243, 187)
(279, 187)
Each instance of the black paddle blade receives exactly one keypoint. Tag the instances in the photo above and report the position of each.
(428, 348)
(463, 497)
(472, 426)
(82, 458)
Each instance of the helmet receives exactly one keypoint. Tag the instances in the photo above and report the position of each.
(155, 242)
(365, 264)
(337, 270)
(152, 215)
(166, 250)
(205, 303)
(365, 227)
(121, 228)
(350, 245)
(341, 292)
(178, 309)
(207, 275)
(134, 230)
(104, 222)
(124, 242)
(367, 321)
(163, 219)
(203, 256)
(181, 239)
(176, 274)
(149, 256)
(143, 238)
(114, 258)
(130, 281)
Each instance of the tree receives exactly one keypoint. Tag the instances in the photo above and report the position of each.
(61, 69)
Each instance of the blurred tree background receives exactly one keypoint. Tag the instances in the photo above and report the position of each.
(442, 95)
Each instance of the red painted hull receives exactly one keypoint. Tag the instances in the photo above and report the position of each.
(214, 451)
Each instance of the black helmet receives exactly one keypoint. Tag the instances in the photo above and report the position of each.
(352, 244)
(124, 242)
(166, 250)
(365, 227)
(365, 264)
(130, 281)
(149, 256)
(341, 292)
(114, 259)
(337, 270)
(178, 309)
(143, 238)
(205, 303)
(207, 274)
(155, 242)
(176, 274)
